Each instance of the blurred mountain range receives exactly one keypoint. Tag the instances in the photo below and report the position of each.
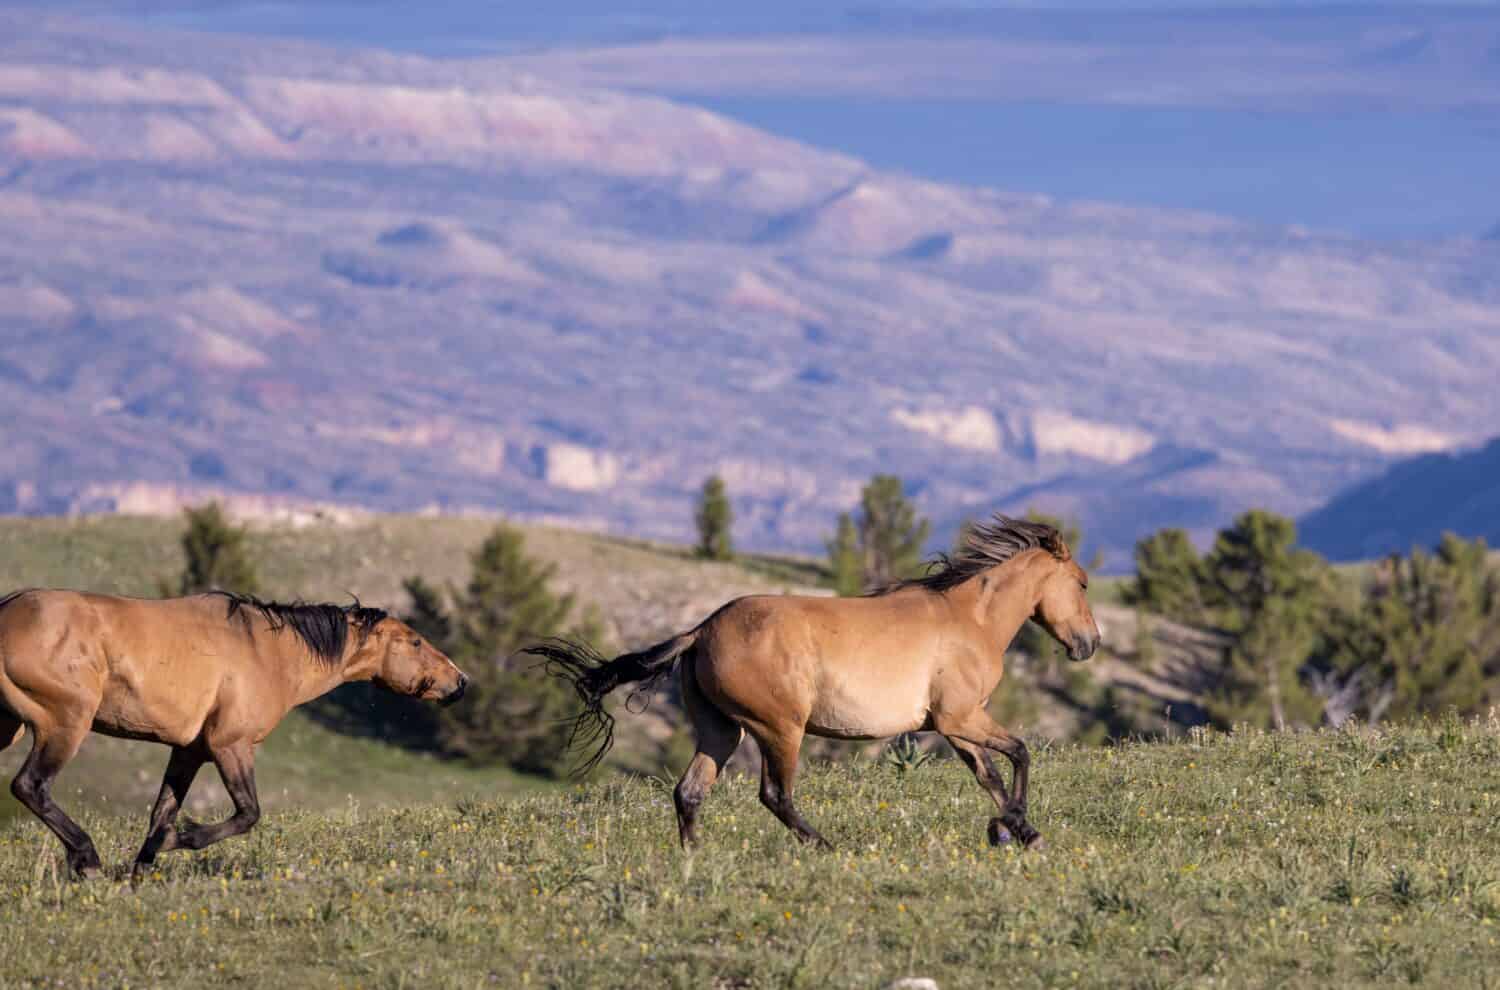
(1297, 54)
(333, 275)
(1412, 505)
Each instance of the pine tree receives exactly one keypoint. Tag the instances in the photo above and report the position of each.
(1169, 577)
(216, 552)
(514, 715)
(714, 517)
(883, 545)
(844, 560)
(427, 614)
(1424, 639)
(891, 537)
(1267, 594)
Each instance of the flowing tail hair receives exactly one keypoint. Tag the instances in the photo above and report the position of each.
(594, 676)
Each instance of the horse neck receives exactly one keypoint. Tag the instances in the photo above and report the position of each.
(314, 678)
(998, 602)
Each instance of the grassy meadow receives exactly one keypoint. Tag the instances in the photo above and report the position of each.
(1342, 858)
(1350, 858)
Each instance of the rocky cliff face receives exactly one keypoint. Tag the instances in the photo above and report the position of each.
(345, 277)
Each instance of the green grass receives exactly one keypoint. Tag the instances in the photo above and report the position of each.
(302, 765)
(1346, 858)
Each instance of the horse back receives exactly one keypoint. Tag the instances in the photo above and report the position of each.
(852, 668)
(148, 668)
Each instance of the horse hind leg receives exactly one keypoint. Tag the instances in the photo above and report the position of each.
(32, 786)
(778, 772)
(717, 737)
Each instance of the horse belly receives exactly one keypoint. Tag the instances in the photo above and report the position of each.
(868, 706)
(149, 701)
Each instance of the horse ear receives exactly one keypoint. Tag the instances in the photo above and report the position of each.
(1053, 543)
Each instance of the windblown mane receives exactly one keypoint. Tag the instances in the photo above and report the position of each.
(985, 545)
(323, 628)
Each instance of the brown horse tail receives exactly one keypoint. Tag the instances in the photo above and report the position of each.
(593, 677)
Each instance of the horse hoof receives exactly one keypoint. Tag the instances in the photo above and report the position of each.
(998, 833)
(1036, 844)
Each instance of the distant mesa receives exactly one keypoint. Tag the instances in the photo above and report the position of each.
(1046, 433)
(574, 468)
(1412, 504)
(969, 428)
(1060, 433)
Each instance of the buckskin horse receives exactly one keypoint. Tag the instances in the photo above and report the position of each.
(209, 675)
(922, 655)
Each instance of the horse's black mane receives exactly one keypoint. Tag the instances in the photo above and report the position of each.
(324, 628)
(984, 546)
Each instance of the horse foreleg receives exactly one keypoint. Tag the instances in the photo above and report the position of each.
(977, 759)
(979, 730)
(161, 833)
(50, 752)
(236, 763)
(778, 771)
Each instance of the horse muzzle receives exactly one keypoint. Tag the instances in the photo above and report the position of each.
(1080, 648)
(457, 693)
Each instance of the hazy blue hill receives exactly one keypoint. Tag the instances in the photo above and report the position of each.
(1412, 504)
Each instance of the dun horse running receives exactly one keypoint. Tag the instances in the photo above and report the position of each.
(210, 676)
(922, 655)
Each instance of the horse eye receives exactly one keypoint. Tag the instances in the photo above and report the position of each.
(417, 643)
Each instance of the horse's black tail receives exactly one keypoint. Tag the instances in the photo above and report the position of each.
(593, 676)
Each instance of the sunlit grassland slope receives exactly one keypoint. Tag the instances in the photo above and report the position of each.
(1350, 858)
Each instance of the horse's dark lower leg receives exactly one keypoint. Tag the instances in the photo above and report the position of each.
(32, 786)
(236, 765)
(717, 738)
(161, 834)
(977, 759)
(777, 773)
(1013, 818)
(981, 731)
